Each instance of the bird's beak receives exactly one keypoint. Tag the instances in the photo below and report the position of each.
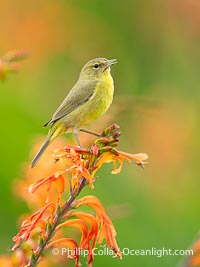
(109, 63)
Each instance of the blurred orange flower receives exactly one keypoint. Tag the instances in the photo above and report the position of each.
(193, 260)
(10, 62)
(45, 168)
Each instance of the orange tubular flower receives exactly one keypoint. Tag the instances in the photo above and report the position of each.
(33, 222)
(86, 162)
(106, 228)
(92, 234)
(91, 220)
(87, 235)
(119, 157)
(81, 225)
(78, 167)
(58, 180)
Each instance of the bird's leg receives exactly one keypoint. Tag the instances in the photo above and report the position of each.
(89, 132)
(76, 136)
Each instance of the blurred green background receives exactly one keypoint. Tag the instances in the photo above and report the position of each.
(156, 82)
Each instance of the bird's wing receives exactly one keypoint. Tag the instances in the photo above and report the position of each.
(79, 94)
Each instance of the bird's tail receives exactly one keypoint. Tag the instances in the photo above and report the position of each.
(54, 132)
(40, 152)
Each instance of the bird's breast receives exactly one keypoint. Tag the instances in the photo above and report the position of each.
(104, 93)
(94, 107)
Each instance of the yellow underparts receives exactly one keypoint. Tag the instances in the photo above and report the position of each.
(88, 112)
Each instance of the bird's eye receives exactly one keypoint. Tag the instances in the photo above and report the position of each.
(95, 66)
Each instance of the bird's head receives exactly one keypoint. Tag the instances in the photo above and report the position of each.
(96, 68)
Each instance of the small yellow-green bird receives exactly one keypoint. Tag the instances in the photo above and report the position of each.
(90, 98)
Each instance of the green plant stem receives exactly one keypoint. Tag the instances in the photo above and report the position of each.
(65, 208)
